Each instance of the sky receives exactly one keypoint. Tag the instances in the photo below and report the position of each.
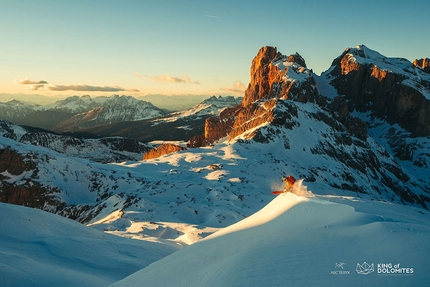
(64, 48)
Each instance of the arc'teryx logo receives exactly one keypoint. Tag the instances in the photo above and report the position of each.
(365, 268)
(338, 266)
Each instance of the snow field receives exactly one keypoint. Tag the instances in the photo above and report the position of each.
(297, 241)
(42, 249)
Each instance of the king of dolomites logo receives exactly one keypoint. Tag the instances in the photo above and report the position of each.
(365, 268)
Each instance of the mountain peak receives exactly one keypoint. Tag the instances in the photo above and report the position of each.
(423, 63)
(274, 75)
(389, 87)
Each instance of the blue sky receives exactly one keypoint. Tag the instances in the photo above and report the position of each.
(188, 47)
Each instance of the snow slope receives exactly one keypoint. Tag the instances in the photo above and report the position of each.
(211, 106)
(42, 249)
(299, 241)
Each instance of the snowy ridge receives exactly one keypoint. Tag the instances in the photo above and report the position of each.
(413, 76)
(211, 106)
(306, 238)
(106, 110)
(75, 113)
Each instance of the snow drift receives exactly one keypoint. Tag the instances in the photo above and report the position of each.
(43, 249)
(299, 241)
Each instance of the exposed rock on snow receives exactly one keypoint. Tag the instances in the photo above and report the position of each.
(162, 149)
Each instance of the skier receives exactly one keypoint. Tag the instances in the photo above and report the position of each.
(289, 183)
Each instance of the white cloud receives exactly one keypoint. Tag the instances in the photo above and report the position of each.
(80, 88)
(30, 82)
(83, 88)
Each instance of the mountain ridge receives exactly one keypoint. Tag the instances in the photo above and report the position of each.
(227, 173)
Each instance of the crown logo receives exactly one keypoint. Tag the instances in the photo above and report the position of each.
(365, 268)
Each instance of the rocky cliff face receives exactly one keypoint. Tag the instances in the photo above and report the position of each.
(28, 192)
(388, 87)
(274, 75)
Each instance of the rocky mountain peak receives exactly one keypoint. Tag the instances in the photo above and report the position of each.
(391, 88)
(423, 63)
(274, 75)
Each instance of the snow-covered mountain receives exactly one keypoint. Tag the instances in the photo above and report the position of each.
(368, 172)
(17, 109)
(106, 110)
(75, 113)
(272, 110)
(211, 106)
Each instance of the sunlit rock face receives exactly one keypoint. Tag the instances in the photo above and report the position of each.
(423, 63)
(274, 75)
(392, 88)
(29, 192)
(163, 149)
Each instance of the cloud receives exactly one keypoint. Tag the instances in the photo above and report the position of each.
(237, 89)
(30, 82)
(83, 88)
(43, 85)
(37, 87)
(80, 88)
(169, 79)
(210, 16)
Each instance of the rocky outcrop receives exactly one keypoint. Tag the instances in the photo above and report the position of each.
(14, 163)
(423, 63)
(28, 192)
(389, 87)
(163, 149)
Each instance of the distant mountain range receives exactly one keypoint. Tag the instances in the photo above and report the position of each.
(79, 112)
(114, 116)
(167, 102)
